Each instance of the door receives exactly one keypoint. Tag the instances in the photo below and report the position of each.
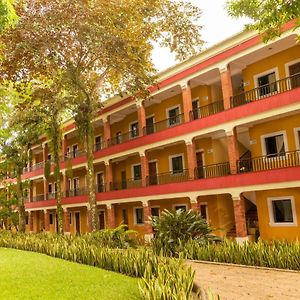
(200, 169)
(173, 115)
(125, 216)
(100, 182)
(75, 150)
(295, 75)
(267, 84)
(195, 109)
(77, 222)
(152, 173)
(150, 125)
(101, 217)
(134, 130)
(123, 180)
(76, 186)
(98, 143)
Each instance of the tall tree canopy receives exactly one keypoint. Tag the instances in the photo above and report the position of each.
(268, 16)
(100, 48)
(8, 15)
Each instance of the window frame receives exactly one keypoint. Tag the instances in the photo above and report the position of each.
(180, 204)
(167, 114)
(267, 72)
(206, 209)
(288, 64)
(130, 129)
(171, 164)
(263, 143)
(272, 222)
(297, 137)
(132, 171)
(135, 216)
(101, 141)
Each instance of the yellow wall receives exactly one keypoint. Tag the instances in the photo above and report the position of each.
(123, 125)
(203, 93)
(288, 124)
(284, 232)
(278, 60)
(83, 219)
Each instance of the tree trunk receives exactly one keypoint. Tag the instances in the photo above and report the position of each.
(56, 141)
(92, 210)
(21, 206)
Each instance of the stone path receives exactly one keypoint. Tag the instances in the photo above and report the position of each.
(235, 282)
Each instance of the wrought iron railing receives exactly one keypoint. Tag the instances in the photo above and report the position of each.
(100, 188)
(50, 196)
(125, 184)
(34, 167)
(267, 90)
(269, 162)
(76, 192)
(99, 146)
(124, 137)
(74, 154)
(168, 177)
(40, 197)
(207, 110)
(164, 124)
(211, 171)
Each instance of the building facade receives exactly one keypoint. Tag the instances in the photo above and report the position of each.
(221, 135)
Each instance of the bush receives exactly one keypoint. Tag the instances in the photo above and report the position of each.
(173, 229)
(275, 254)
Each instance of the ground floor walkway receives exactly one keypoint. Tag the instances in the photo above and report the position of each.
(234, 282)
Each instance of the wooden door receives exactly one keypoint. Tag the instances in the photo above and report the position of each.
(152, 173)
(77, 222)
(295, 75)
(100, 182)
(123, 180)
(200, 169)
(150, 125)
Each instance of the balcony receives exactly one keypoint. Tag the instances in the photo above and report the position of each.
(265, 91)
(211, 171)
(124, 137)
(125, 184)
(207, 110)
(76, 192)
(269, 162)
(34, 167)
(37, 198)
(164, 124)
(168, 177)
(74, 154)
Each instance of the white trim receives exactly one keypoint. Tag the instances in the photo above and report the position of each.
(264, 136)
(97, 176)
(132, 170)
(104, 214)
(272, 223)
(134, 216)
(139, 133)
(297, 137)
(155, 206)
(74, 226)
(288, 64)
(75, 178)
(151, 116)
(173, 156)
(101, 141)
(256, 76)
(180, 204)
(207, 215)
(203, 155)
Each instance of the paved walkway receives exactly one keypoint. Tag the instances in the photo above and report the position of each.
(234, 282)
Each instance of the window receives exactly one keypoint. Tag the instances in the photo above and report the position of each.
(267, 84)
(294, 73)
(180, 206)
(203, 211)
(275, 145)
(150, 125)
(137, 172)
(173, 116)
(134, 130)
(75, 150)
(282, 211)
(68, 154)
(76, 186)
(119, 137)
(98, 143)
(51, 219)
(195, 108)
(155, 211)
(125, 216)
(139, 216)
(177, 164)
(70, 218)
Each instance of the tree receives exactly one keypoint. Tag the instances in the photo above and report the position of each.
(268, 16)
(101, 48)
(8, 15)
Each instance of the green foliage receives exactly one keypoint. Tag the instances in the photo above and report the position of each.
(8, 15)
(8, 217)
(275, 254)
(47, 169)
(118, 237)
(173, 229)
(268, 16)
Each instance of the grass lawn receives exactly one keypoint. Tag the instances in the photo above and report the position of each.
(29, 275)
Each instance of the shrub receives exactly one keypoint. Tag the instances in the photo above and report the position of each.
(173, 229)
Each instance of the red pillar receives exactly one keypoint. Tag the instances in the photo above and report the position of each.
(239, 216)
(111, 219)
(108, 175)
(106, 131)
(226, 87)
(30, 221)
(233, 150)
(66, 221)
(148, 230)
(141, 117)
(144, 168)
(46, 220)
(187, 101)
(194, 205)
(191, 158)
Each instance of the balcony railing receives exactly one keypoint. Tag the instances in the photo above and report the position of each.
(207, 110)
(76, 192)
(40, 197)
(100, 188)
(99, 146)
(125, 184)
(164, 124)
(211, 171)
(269, 162)
(262, 92)
(124, 137)
(34, 167)
(74, 154)
(168, 177)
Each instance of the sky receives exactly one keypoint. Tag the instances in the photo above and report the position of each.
(217, 26)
